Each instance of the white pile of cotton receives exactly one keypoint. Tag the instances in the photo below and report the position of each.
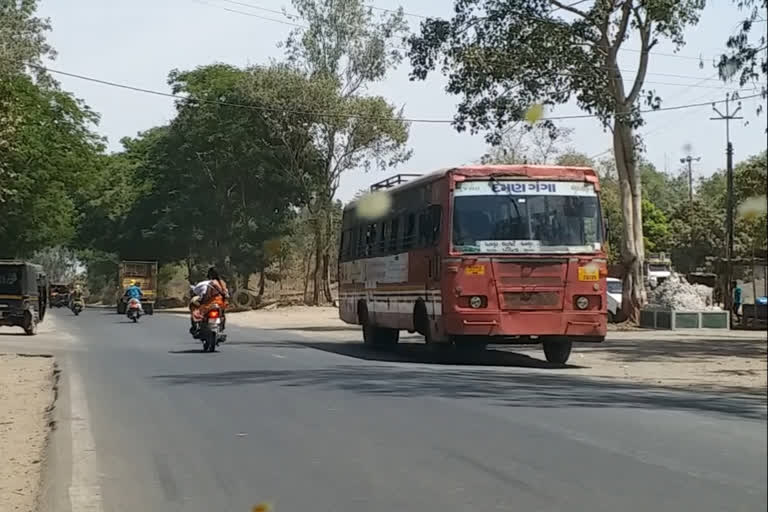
(676, 293)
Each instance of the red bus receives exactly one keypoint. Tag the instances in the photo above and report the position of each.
(478, 255)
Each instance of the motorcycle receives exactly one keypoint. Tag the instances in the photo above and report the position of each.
(133, 311)
(209, 329)
(77, 306)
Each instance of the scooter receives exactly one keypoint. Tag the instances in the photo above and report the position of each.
(133, 311)
(77, 306)
(209, 329)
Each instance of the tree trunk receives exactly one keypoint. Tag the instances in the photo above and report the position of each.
(317, 275)
(261, 282)
(307, 267)
(327, 278)
(633, 248)
(328, 215)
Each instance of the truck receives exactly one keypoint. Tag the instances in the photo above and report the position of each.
(143, 273)
(658, 268)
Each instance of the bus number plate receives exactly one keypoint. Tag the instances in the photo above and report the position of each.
(589, 274)
(475, 270)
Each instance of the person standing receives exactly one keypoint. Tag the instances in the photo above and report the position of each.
(736, 300)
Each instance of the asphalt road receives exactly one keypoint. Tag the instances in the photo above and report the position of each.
(319, 427)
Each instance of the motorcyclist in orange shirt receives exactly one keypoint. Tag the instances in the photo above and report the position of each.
(216, 292)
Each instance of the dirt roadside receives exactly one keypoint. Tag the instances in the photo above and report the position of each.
(730, 361)
(26, 398)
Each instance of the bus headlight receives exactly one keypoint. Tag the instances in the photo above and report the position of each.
(582, 302)
(476, 302)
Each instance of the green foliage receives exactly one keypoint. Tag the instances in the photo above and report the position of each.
(700, 232)
(747, 58)
(346, 48)
(655, 227)
(502, 57)
(52, 156)
(527, 144)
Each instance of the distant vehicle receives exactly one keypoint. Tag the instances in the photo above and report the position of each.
(77, 306)
(613, 297)
(59, 295)
(658, 268)
(23, 295)
(476, 255)
(145, 274)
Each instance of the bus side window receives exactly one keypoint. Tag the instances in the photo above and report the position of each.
(359, 249)
(371, 242)
(386, 235)
(393, 235)
(410, 231)
(435, 217)
(343, 246)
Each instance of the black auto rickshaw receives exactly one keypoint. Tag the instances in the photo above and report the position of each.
(23, 295)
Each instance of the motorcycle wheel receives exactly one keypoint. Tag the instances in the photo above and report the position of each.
(77, 312)
(211, 342)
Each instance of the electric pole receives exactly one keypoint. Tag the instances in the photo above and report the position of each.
(688, 160)
(728, 117)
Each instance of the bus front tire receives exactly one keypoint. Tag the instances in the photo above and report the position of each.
(557, 351)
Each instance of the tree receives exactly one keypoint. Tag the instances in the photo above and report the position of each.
(222, 180)
(345, 45)
(61, 264)
(22, 43)
(698, 232)
(526, 144)
(52, 156)
(503, 57)
(747, 57)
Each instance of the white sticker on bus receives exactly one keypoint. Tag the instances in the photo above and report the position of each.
(524, 188)
(509, 246)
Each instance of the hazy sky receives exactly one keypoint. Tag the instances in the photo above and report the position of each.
(140, 41)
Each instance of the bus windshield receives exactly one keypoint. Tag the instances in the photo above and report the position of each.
(509, 223)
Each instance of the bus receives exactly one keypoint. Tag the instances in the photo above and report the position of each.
(478, 255)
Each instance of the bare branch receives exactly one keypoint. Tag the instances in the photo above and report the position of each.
(626, 10)
(646, 45)
(570, 9)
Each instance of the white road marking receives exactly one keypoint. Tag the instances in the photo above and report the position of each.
(278, 356)
(84, 491)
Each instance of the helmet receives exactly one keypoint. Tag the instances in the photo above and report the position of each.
(133, 282)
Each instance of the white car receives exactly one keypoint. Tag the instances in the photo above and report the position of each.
(613, 297)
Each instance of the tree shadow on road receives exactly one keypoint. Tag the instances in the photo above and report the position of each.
(497, 386)
(682, 349)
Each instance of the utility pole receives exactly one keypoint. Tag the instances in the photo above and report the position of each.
(728, 117)
(688, 160)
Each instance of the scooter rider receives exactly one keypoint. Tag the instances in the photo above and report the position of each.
(134, 292)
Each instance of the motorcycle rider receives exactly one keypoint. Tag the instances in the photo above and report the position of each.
(206, 294)
(134, 292)
(75, 296)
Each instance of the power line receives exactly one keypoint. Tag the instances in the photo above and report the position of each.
(291, 16)
(331, 114)
(405, 13)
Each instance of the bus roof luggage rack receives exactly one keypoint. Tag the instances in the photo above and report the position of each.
(393, 181)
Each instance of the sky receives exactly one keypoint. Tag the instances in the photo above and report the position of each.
(138, 42)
